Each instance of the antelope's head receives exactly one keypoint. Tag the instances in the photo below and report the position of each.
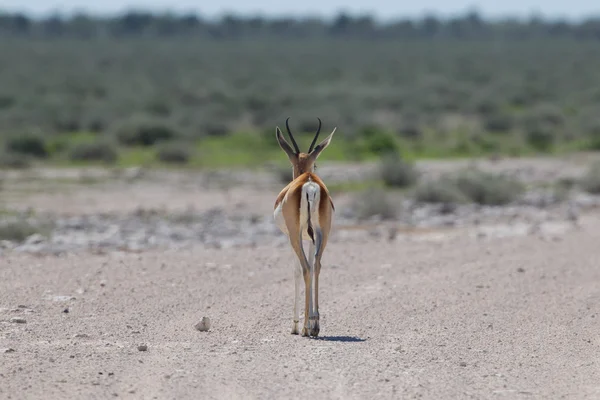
(302, 162)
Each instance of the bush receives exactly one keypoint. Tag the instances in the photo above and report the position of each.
(145, 132)
(541, 125)
(374, 203)
(548, 114)
(174, 153)
(14, 160)
(591, 180)
(17, 230)
(440, 191)
(541, 137)
(498, 122)
(397, 173)
(410, 130)
(27, 144)
(377, 141)
(487, 188)
(100, 150)
(215, 129)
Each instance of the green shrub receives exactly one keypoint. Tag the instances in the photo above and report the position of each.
(99, 150)
(14, 160)
(143, 131)
(30, 144)
(541, 137)
(498, 122)
(440, 191)
(396, 172)
(174, 153)
(17, 230)
(374, 203)
(591, 180)
(377, 141)
(215, 128)
(549, 114)
(541, 125)
(410, 130)
(487, 188)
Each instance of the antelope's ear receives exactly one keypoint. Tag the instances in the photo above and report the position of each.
(285, 146)
(321, 146)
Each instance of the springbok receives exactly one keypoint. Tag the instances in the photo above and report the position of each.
(303, 211)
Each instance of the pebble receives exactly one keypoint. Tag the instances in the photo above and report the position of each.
(18, 320)
(203, 325)
(142, 347)
(7, 350)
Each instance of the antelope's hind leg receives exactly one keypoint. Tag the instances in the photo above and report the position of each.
(297, 276)
(313, 318)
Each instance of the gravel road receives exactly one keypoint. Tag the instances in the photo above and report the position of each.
(429, 316)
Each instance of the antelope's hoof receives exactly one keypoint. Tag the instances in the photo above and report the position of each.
(295, 330)
(305, 332)
(314, 326)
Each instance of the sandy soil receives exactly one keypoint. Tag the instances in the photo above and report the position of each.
(453, 317)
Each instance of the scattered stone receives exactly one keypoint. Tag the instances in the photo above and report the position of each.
(62, 298)
(463, 364)
(18, 320)
(7, 350)
(203, 325)
(36, 238)
(520, 269)
(66, 310)
(6, 244)
(218, 228)
(81, 336)
(142, 347)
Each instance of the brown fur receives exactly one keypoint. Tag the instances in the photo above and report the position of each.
(294, 188)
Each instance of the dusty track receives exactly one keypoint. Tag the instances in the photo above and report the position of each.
(459, 318)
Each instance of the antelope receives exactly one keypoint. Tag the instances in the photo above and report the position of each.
(303, 211)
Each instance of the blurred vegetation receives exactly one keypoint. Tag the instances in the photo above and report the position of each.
(591, 180)
(375, 202)
(470, 186)
(397, 173)
(430, 87)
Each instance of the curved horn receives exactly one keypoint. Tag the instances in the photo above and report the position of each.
(291, 136)
(316, 136)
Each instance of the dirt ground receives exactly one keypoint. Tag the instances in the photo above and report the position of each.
(438, 314)
(451, 317)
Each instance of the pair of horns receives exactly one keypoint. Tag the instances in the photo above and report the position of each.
(312, 145)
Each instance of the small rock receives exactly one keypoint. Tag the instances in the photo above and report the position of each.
(7, 350)
(36, 238)
(63, 298)
(142, 347)
(463, 364)
(81, 335)
(17, 320)
(520, 269)
(204, 325)
(6, 244)
(66, 310)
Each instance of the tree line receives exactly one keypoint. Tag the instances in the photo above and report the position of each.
(470, 25)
